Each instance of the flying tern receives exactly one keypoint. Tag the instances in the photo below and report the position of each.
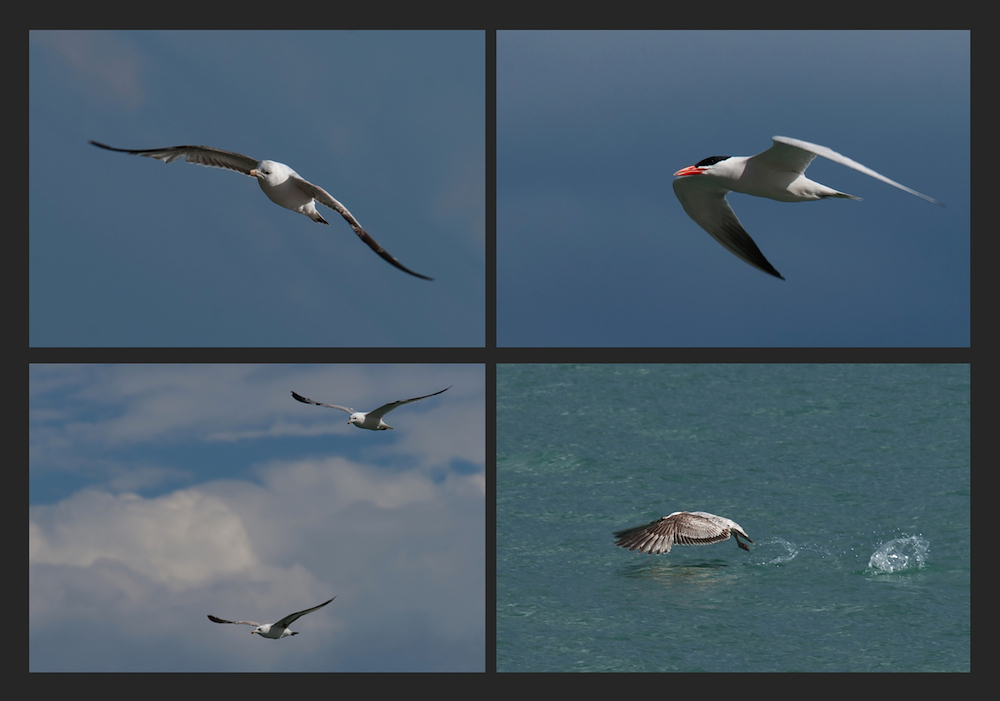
(371, 420)
(777, 173)
(281, 184)
(273, 630)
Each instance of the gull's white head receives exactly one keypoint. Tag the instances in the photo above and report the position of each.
(357, 417)
(272, 172)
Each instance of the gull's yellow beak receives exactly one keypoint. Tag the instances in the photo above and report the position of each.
(253, 173)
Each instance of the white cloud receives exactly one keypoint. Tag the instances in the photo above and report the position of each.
(396, 548)
(181, 540)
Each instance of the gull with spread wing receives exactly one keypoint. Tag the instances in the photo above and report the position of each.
(680, 528)
(273, 630)
(280, 183)
(371, 420)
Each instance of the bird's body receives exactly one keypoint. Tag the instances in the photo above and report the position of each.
(371, 420)
(281, 184)
(274, 631)
(680, 528)
(777, 173)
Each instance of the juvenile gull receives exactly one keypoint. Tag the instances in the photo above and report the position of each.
(273, 630)
(680, 528)
(279, 182)
(368, 419)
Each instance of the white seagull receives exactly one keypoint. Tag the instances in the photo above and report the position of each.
(680, 528)
(273, 630)
(371, 420)
(279, 182)
(777, 173)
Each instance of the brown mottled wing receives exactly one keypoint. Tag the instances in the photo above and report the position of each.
(659, 536)
(652, 538)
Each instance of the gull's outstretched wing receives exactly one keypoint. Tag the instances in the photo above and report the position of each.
(307, 400)
(290, 619)
(201, 155)
(386, 408)
(680, 528)
(219, 620)
(324, 197)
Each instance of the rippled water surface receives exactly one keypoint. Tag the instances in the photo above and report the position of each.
(852, 481)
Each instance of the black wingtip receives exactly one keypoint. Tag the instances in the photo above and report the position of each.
(407, 270)
(396, 263)
(764, 264)
(770, 269)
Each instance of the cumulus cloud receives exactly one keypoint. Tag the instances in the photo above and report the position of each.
(180, 540)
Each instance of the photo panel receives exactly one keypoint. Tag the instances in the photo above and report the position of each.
(830, 504)
(167, 500)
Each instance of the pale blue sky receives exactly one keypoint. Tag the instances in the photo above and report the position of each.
(593, 248)
(159, 494)
(128, 251)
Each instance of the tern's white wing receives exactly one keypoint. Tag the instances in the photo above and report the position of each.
(784, 152)
(307, 400)
(324, 197)
(705, 202)
(290, 619)
(386, 408)
(202, 155)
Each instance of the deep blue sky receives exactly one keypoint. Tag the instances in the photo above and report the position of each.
(163, 493)
(593, 248)
(128, 251)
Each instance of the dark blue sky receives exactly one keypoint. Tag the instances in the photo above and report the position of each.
(593, 248)
(128, 251)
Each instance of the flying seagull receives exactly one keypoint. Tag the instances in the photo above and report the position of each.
(777, 173)
(273, 630)
(368, 419)
(279, 182)
(681, 528)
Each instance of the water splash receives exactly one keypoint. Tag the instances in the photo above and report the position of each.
(791, 551)
(900, 554)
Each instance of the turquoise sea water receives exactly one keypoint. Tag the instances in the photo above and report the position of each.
(852, 480)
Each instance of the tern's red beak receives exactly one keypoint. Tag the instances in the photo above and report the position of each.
(690, 170)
